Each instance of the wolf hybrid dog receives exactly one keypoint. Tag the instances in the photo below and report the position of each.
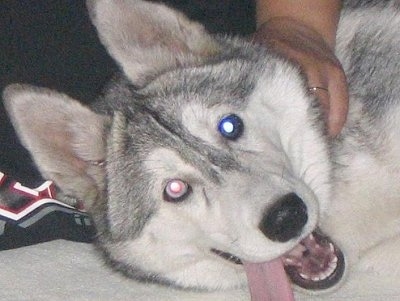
(206, 164)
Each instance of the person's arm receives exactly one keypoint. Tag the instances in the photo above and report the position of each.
(305, 32)
(321, 16)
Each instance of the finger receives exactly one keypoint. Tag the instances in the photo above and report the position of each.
(316, 80)
(323, 97)
(339, 102)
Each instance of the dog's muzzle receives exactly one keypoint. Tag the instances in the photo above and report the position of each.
(316, 263)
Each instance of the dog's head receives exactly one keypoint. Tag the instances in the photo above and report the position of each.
(206, 153)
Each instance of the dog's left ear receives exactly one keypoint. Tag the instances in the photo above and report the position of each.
(66, 140)
(146, 38)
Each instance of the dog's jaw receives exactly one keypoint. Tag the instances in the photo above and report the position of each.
(314, 264)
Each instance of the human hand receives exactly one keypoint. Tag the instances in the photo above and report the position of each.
(304, 46)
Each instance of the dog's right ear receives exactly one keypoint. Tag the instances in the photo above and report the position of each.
(147, 38)
(65, 139)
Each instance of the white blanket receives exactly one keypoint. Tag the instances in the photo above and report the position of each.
(62, 271)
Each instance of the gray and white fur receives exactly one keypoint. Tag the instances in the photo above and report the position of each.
(157, 122)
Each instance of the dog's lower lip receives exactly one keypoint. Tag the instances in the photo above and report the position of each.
(227, 256)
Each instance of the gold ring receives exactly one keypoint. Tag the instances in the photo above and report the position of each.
(314, 89)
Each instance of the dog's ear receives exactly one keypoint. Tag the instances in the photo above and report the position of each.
(146, 38)
(64, 138)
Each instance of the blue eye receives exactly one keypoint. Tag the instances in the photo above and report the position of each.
(231, 126)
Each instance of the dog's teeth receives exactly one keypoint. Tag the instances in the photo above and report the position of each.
(331, 247)
(289, 260)
(292, 261)
(335, 260)
(310, 241)
(304, 276)
(324, 275)
(316, 278)
(333, 265)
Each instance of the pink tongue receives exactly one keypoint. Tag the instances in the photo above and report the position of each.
(268, 281)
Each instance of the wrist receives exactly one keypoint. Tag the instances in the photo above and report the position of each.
(284, 28)
(319, 16)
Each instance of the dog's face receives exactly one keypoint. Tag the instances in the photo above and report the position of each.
(204, 178)
(214, 154)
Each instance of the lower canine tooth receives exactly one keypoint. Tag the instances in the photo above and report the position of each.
(304, 276)
(316, 278)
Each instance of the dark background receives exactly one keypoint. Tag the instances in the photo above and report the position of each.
(51, 43)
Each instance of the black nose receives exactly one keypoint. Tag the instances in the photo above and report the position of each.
(285, 219)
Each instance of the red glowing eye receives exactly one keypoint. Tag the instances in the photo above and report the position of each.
(176, 190)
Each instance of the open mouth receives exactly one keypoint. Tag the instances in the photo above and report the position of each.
(315, 264)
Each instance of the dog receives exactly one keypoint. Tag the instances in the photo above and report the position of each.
(206, 164)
